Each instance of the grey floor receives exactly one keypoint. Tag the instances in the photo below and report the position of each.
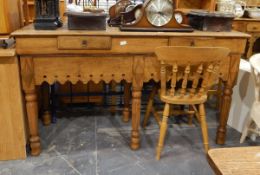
(96, 143)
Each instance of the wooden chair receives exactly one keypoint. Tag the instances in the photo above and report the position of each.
(198, 65)
(253, 123)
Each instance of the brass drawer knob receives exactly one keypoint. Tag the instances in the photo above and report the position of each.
(192, 43)
(84, 43)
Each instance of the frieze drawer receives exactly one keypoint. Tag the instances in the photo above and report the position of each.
(253, 27)
(84, 43)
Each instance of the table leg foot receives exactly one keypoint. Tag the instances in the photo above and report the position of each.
(35, 145)
(135, 140)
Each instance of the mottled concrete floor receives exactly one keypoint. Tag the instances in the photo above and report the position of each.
(96, 143)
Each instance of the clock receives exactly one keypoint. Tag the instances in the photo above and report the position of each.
(159, 12)
(115, 12)
(157, 15)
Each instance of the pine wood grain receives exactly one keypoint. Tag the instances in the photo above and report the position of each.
(130, 58)
(235, 161)
(9, 16)
(12, 130)
(250, 26)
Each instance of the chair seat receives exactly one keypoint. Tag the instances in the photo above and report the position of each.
(235, 161)
(182, 100)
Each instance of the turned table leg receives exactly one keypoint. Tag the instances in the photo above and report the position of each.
(46, 116)
(251, 41)
(32, 114)
(227, 98)
(138, 77)
(136, 105)
(127, 94)
(27, 74)
(113, 97)
(225, 107)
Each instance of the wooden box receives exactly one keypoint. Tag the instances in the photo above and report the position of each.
(211, 21)
(86, 21)
(10, 18)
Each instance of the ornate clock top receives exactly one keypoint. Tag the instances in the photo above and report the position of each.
(157, 15)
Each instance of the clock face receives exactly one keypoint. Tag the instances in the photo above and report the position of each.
(159, 12)
(178, 17)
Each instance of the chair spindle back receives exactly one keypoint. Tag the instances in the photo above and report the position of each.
(194, 67)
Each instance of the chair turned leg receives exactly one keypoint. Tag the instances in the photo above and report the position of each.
(163, 129)
(196, 113)
(204, 127)
(157, 116)
(245, 130)
(190, 116)
(149, 106)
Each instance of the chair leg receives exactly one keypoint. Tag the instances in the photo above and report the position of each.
(196, 113)
(156, 116)
(163, 129)
(204, 127)
(149, 106)
(190, 116)
(245, 130)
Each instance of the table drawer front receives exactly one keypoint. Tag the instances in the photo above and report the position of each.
(84, 42)
(253, 27)
(235, 45)
(138, 44)
(239, 26)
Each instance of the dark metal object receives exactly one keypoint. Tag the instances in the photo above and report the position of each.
(86, 21)
(115, 12)
(47, 15)
(211, 21)
(3, 44)
(130, 16)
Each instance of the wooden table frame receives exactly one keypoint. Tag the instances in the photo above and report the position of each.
(251, 27)
(63, 55)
